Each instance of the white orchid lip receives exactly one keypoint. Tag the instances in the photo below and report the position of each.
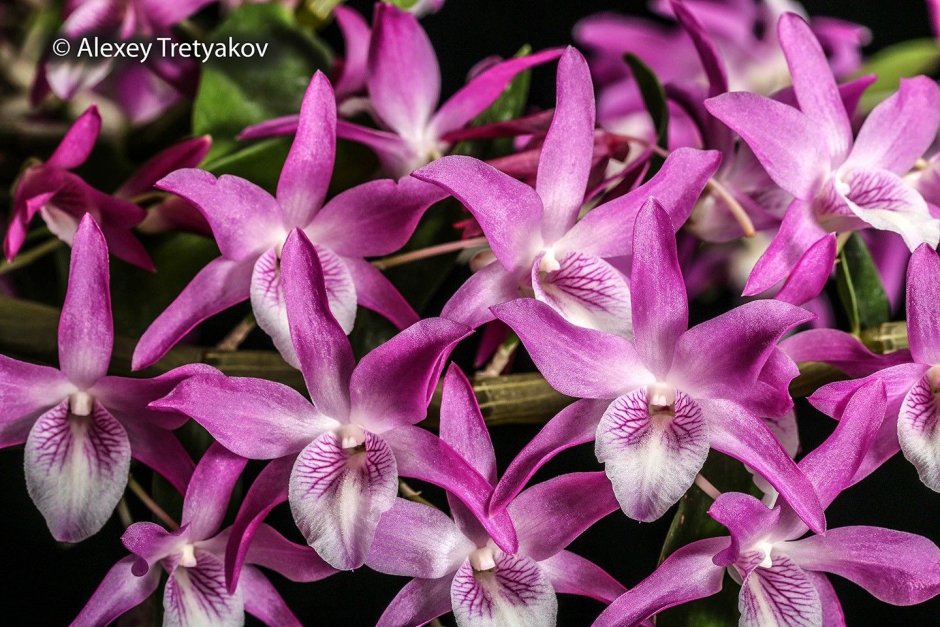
(351, 437)
(483, 559)
(188, 555)
(81, 404)
(661, 398)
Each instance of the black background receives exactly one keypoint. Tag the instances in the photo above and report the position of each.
(42, 583)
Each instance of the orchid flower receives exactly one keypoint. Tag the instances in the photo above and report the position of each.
(912, 379)
(356, 438)
(193, 556)
(250, 227)
(404, 87)
(837, 184)
(81, 427)
(61, 197)
(541, 247)
(668, 396)
(143, 91)
(457, 566)
(782, 574)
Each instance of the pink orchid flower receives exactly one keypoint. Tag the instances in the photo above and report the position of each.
(62, 198)
(250, 227)
(669, 395)
(193, 556)
(353, 442)
(838, 184)
(81, 427)
(457, 566)
(783, 574)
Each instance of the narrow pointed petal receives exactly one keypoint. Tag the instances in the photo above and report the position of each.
(209, 490)
(76, 469)
(740, 434)
(514, 592)
(284, 125)
(322, 349)
(393, 384)
(651, 460)
(306, 174)
(900, 129)
(832, 398)
(270, 308)
(188, 153)
(356, 35)
(551, 515)
(840, 349)
(26, 390)
(86, 329)
(404, 78)
(254, 418)
(811, 273)
(220, 285)
(509, 211)
(244, 218)
(264, 602)
(473, 98)
(686, 575)
(151, 543)
(416, 540)
(574, 425)
(375, 292)
(608, 230)
(883, 200)
(375, 218)
(923, 305)
(337, 496)
(471, 303)
(462, 425)
(779, 595)
(161, 451)
(294, 561)
(197, 596)
(118, 592)
(78, 142)
(576, 361)
(919, 431)
(396, 155)
(814, 84)
(586, 290)
(566, 158)
(660, 305)
(418, 603)
(573, 574)
(896, 567)
(785, 140)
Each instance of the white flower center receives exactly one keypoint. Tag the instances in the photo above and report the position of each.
(188, 555)
(81, 404)
(483, 559)
(933, 378)
(765, 548)
(549, 262)
(661, 398)
(842, 187)
(351, 436)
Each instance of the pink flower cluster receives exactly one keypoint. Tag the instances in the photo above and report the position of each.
(589, 255)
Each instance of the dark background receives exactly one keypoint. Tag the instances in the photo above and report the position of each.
(43, 583)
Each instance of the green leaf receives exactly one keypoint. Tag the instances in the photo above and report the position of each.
(235, 93)
(859, 286)
(891, 64)
(403, 4)
(654, 99)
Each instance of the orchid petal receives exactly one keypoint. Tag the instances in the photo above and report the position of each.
(471, 303)
(254, 418)
(197, 596)
(750, 523)
(209, 490)
(686, 575)
(374, 291)
(576, 361)
(322, 349)
(118, 592)
(275, 127)
(514, 591)
(416, 540)
(151, 543)
(338, 494)
(26, 390)
(574, 425)
(832, 614)
(462, 425)
(919, 432)
(86, 329)
(651, 458)
(551, 515)
(832, 398)
(568, 150)
(76, 469)
(264, 602)
(509, 211)
(838, 348)
(811, 273)
(356, 35)
(779, 595)
(294, 561)
(923, 305)
(160, 450)
(573, 574)
(404, 78)
(79, 140)
(586, 290)
(397, 156)
(419, 602)
(393, 384)
(188, 153)
(220, 285)
(306, 174)
(896, 567)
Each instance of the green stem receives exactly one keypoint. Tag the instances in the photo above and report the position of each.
(31, 255)
(148, 501)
